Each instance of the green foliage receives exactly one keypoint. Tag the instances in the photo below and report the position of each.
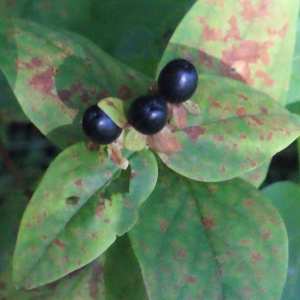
(184, 224)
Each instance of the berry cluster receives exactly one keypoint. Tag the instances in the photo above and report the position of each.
(148, 114)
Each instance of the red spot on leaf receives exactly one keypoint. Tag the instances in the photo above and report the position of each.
(257, 256)
(264, 110)
(133, 175)
(272, 220)
(192, 279)
(218, 138)
(163, 224)
(249, 12)
(223, 169)
(181, 253)
(257, 120)
(266, 78)
(262, 289)
(269, 136)
(59, 243)
(211, 34)
(78, 182)
(248, 202)
(242, 136)
(266, 234)
(37, 62)
(100, 209)
(241, 111)
(194, 132)
(243, 97)
(84, 97)
(281, 32)
(107, 220)
(233, 32)
(209, 223)
(216, 104)
(44, 81)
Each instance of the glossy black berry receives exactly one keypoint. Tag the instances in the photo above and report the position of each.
(177, 81)
(99, 127)
(148, 114)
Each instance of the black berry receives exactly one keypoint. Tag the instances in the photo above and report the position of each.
(148, 114)
(99, 127)
(177, 81)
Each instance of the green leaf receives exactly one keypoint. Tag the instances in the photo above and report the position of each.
(122, 273)
(55, 75)
(86, 283)
(248, 41)
(210, 241)
(285, 197)
(233, 133)
(10, 110)
(68, 222)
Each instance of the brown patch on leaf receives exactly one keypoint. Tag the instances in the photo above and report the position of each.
(209, 223)
(265, 77)
(237, 60)
(37, 62)
(125, 92)
(205, 60)
(243, 97)
(257, 256)
(194, 132)
(59, 243)
(281, 32)
(266, 234)
(241, 111)
(216, 104)
(249, 12)
(211, 34)
(163, 224)
(181, 253)
(100, 209)
(257, 120)
(44, 81)
(164, 141)
(192, 279)
(95, 280)
(233, 32)
(78, 182)
(218, 138)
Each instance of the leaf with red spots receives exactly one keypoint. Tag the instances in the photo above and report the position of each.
(294, 91)
(56, 75)
(58, 236)
(237, 130)
(250, 41)
(285, 197)
(199, 240)
(86, 283)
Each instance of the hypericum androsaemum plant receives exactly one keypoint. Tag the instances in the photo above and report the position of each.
(172, 215)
